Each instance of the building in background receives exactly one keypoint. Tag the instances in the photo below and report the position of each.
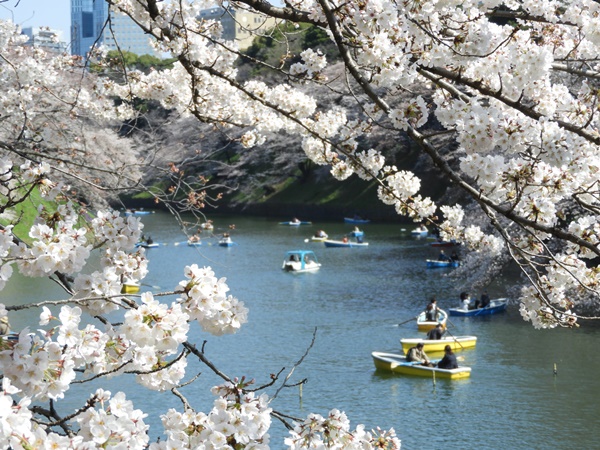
(239, 24)
(46, 38)
(89, 26)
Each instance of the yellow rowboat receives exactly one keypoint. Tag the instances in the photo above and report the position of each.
(425, 325)
(397, 363)
(432, 346)
(130, 287)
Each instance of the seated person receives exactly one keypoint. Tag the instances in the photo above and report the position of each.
(436, 333)
(449, 360)
(484, 300)
(416, 354)
(442, 256)
(465, 301)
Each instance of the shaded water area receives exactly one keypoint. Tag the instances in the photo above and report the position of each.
(355, 302)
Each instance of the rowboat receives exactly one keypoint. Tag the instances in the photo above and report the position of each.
(496, 306)
(444, 244)
(293, 223)
(193, 243)
(398, 364)
(226, 242)
(130, 287)
(425, 325)
(319, 236)
(435, 263)
(300, 261)
(356, 220)
(147, 245)
(137, 212)
(419, 232)
(437, 345)
(333, 243)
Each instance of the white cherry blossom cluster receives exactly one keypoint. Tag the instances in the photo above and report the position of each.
(62, 247)
(115, 424)
(237, 420)
(155, 332)
(38, 368)
(413, 114)
(334, 431)
(313, 62)
(204, 298)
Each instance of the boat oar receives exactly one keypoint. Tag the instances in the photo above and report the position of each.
(406, 321)
(455, 340)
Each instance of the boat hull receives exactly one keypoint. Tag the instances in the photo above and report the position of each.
(397, 364)
(432, 263)
(495, 307)
(295, 224)
(130, 288)
(426, 325)
(351, 220)
(141, 244)
(437, 346)
(331, 243)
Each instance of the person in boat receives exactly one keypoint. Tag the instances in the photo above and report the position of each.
(465, 301)
(295, 220)
(435, 334)
(418, 355)
(345, 240)
(454, 256)
(431, 310)
(321, 234)
(442, 256)
(356, 230)
(195, 238)
(483, 301)
(306, 259)
(149, 240)
(449, 360)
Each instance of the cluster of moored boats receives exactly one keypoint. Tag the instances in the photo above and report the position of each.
(398, 363)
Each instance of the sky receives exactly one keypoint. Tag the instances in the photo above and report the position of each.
(36, 13)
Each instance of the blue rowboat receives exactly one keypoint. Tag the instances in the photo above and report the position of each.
(432, 263)
(137, 212)
(332, 243)
(226, 242)
(496, 306)
(355, 220)
(293, 223)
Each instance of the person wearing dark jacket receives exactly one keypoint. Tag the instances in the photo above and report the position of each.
(449, 360)
(436, 333)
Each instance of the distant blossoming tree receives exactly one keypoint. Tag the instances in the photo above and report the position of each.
(514, 83)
